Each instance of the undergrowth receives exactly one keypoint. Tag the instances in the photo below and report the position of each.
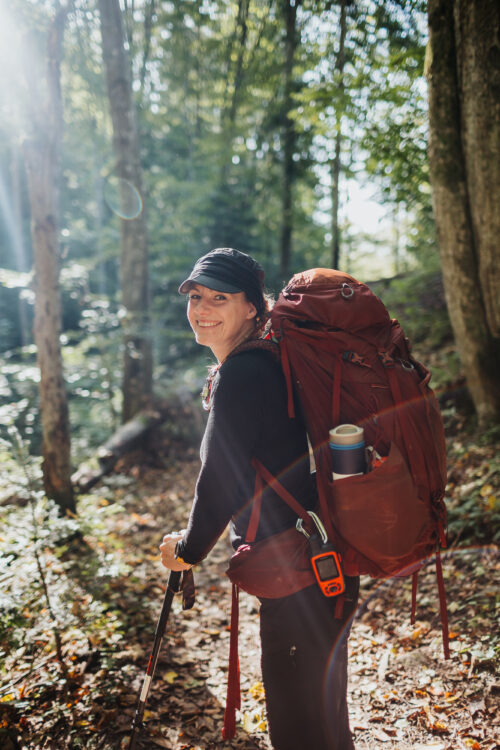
(56, 611)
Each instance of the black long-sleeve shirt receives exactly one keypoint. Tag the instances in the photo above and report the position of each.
(248, 419)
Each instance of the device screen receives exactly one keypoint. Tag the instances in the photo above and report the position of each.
(327, 568)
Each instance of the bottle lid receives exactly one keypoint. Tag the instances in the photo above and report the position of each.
(346, 434)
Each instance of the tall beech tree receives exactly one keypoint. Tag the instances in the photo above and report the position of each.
(464, 152)
(42, 153)
(335, 163)
(289, 11)
(137, 363)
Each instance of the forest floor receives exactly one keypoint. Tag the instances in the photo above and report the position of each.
(402, 693)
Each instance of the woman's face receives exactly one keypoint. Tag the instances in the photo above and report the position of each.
(219, 320)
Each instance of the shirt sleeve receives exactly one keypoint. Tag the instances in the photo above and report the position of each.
(226, 480)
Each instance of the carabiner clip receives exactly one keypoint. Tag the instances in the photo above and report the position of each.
(347, 291)
(317, 522)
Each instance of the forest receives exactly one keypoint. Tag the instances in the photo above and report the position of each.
(135, 136)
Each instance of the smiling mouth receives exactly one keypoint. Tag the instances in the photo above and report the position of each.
(207, 325)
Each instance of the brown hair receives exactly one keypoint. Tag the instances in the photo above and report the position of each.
(263, 312)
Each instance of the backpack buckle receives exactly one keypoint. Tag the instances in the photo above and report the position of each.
(386, 359)
(354, 358)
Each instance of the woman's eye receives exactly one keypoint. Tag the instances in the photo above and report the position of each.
(220, 296)
(194, 297)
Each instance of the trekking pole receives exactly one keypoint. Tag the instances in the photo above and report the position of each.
(172, 588)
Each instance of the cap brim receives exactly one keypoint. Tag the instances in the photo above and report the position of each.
(209, 281)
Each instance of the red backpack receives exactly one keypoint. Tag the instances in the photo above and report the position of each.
(346, 361)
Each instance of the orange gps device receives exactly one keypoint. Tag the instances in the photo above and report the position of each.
(327, 570)
(325, 561)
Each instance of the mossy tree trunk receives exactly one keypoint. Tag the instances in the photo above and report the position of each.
(42, 158)
(464, 155)
(137, 365)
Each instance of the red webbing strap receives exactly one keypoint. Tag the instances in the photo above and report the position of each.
(253, 524)
(233, 702)
(442, 606)
(285, 366)
(414, 586)
(277, 487)
(337, 379)
(339, 607)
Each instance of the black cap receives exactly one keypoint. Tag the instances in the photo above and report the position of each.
(231, 271)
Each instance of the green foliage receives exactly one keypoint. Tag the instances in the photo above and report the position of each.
(417, 300)
(55, 606)
(473, 500)
(209, 90)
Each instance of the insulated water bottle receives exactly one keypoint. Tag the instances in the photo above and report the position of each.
(347, 446)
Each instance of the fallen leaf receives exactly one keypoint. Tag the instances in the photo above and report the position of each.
(440, 726)
(170, 676)
(380, 735)
(257, 691)
(253, 722)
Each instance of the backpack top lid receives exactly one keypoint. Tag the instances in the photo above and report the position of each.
(331, 298)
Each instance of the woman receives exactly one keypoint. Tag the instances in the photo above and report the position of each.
(304, 645)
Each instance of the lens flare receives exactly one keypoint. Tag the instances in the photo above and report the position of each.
(122, 197)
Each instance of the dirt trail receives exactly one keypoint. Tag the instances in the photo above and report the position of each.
(402, 693)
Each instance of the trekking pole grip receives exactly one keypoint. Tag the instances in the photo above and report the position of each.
(172, 588)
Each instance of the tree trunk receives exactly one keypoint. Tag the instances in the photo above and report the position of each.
(478, 60)
(137, 366)
(289, 136)
(232, 98)
(336, 162)
(464, 155)
(149, 13)
(18, 240)
(42, 159)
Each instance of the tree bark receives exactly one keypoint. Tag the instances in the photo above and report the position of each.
(42, 158)
(289, 135)
(477, 24)
(137, 365)
(18, 240)
(464, 157)
(336, 162)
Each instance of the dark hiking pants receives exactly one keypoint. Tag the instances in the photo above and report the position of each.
(304, 669)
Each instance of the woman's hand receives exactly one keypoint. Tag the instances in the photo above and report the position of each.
(167, 549)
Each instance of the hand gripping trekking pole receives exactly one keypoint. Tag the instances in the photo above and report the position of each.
(172, 588)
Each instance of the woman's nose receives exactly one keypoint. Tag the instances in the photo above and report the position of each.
(203, 305)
